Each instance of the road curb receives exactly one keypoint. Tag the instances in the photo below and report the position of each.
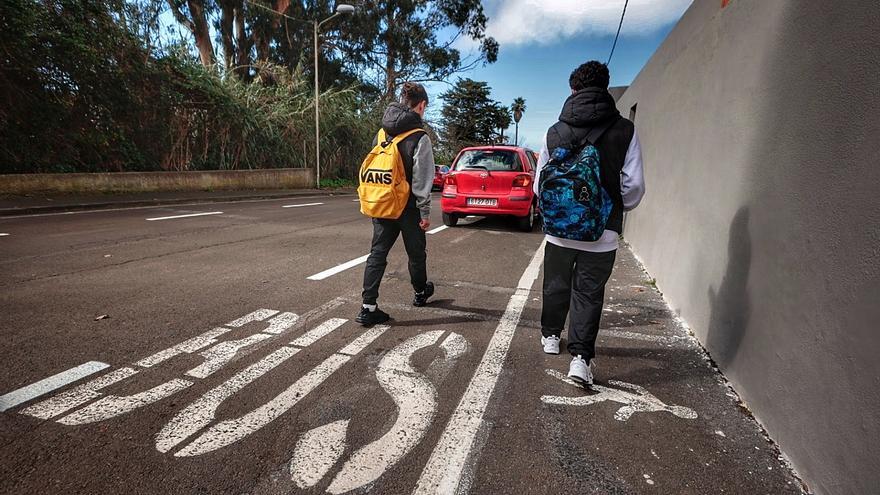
(34, 210)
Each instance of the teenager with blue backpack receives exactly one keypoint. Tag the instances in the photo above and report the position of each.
(589, 173)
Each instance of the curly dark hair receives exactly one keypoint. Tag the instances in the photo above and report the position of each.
(593, 74)
(413, 93)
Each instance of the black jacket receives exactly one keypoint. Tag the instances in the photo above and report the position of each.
(399, 118)
(583, 111)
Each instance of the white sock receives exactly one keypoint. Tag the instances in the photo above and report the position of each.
(371, 307)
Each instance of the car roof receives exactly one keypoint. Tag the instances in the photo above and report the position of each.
(495, 147)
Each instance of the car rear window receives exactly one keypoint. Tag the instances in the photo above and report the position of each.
(492, 160)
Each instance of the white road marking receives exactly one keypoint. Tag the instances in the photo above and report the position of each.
(114, 405)
(316, 452)
(639, 400)
(176, 205)
(75, 397)
(258, 315)
(230, 431)
(187, 346)
(416, 401)
(46, 385)
(201, 412)
(300, 206)
(318, 332)
(282, 323)
(443, 472)
(3, 234)
(438, 229)
(339, 268)
(219, 355)
(185, 216)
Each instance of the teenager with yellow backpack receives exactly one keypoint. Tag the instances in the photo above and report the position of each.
(395, 191)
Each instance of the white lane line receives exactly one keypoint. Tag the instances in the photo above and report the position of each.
(438, 229)
(299, 206)
(443, 472)
(339, 268)
(3, 234)
(186, 216)
(153, 207)
(49, 384)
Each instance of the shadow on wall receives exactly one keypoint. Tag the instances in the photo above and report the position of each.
(794, 335)
(729, 305)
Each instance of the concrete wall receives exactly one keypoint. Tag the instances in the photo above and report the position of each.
(761, 138)
(283, 178)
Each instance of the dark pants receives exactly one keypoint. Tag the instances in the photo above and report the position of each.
(575, 280)
(385, 233)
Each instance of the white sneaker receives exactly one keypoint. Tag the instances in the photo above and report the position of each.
(551, 344)
(580, 371)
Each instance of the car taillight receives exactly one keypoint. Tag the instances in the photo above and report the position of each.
(450, 180)
(522, 181)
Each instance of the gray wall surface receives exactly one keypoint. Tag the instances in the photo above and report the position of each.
(130, 182)
(760, 130)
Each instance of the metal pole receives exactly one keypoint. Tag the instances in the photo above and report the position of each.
(317, 118)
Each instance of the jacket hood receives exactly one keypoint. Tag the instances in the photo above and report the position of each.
(588, 107)
(399, 118)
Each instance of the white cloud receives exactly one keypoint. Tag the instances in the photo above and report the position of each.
(516, 22)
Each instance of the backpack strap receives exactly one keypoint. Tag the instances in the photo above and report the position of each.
(382, 137)
(596, 132)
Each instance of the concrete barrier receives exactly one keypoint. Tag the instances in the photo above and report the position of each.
(134, 182)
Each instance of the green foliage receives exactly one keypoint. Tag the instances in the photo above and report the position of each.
(392, 41)
(337, 183)
(82, 93)
(471, 117)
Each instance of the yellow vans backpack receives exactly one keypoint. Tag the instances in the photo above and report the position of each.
(383, 188)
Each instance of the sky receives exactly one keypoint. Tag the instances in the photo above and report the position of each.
(542, 41)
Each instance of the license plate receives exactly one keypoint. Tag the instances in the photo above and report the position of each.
(482, 202)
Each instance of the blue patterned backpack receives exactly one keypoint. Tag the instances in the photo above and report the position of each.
(573, 203)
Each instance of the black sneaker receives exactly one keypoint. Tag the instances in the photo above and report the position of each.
(369, 318)
(421, 298)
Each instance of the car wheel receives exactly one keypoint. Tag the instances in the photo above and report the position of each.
(527, 223)
(450, 219)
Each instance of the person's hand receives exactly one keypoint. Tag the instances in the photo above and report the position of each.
(425, 224)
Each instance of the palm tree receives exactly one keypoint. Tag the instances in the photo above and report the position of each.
(518, 107)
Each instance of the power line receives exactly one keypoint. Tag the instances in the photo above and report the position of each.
(618, 32)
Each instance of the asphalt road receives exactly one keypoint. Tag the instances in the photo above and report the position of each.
(228, 363)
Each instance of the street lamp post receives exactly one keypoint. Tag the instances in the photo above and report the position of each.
(341, 9)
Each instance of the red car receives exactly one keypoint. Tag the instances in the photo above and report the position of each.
(440, 172)
(491, 180)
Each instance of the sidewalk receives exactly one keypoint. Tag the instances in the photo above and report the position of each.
(11, 204)
(660, 418)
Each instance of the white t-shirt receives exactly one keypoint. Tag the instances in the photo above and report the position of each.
(632, 188)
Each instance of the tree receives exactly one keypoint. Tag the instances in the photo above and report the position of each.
(391, 41)
(193, 15)
(470, 117)
(518, 107)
